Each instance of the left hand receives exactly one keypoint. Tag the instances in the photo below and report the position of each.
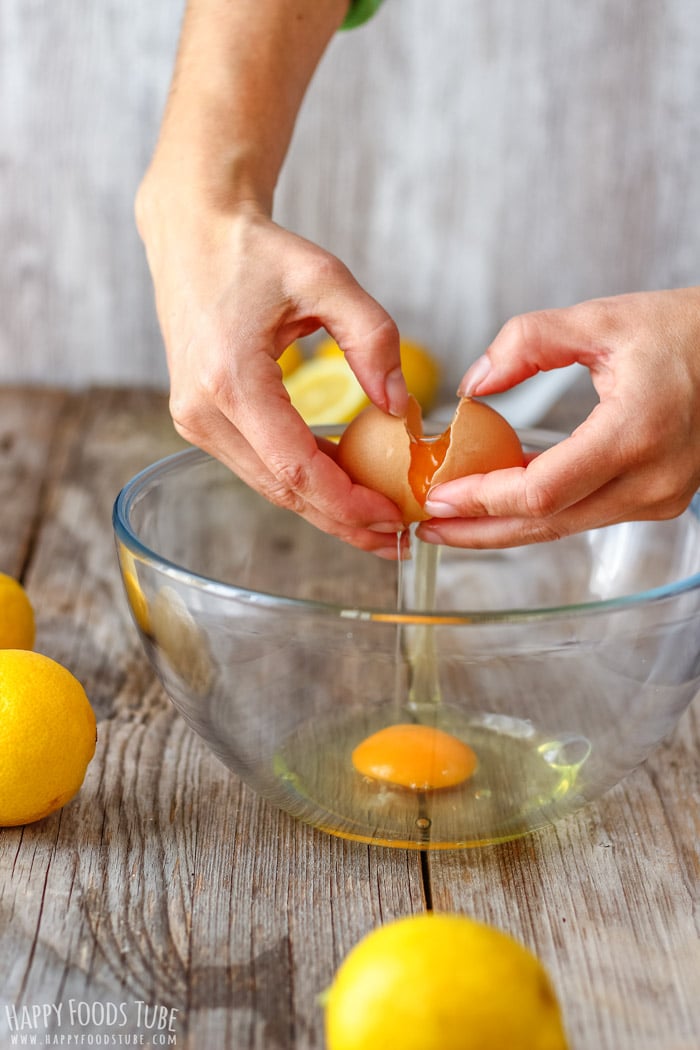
(637, 455)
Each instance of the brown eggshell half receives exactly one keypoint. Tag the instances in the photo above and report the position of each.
(480, 440)
(375, 450)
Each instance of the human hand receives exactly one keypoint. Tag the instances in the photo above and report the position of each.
(232, 292)
(233, 289)
(637, 455)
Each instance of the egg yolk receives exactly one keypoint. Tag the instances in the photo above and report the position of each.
(415, 756)
(426, 457)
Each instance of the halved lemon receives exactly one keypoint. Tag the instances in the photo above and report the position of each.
(420, 369)
(326, 391)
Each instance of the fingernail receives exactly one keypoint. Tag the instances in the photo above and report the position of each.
(474, 376)
(437, 509)
(386, 526)
(396, 393)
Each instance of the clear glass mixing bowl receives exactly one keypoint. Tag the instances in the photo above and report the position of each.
(561, 665)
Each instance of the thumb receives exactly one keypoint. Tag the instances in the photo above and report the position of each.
(527, 344)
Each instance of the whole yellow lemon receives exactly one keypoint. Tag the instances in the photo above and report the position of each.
(16, 615)
(421, 372)
(442, 982)
(47, 736)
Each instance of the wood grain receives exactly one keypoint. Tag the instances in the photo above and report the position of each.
(609, 902)
(25, 456)
(167, 881)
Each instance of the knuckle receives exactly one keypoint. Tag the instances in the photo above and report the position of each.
(540, 499)
(322, 270)
(671, 510)
(282, 496)
(292, 475)
(185, 414)
(600, 317)
(547, 531)
(330, 267)
(387, 331)
(480, 506)
(667, 497)
(185, 431)
(215, 382)
(288, 486)
(524, 329)
(602, 313)
(382, 336)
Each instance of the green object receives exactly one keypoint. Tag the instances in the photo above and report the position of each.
(360, 11)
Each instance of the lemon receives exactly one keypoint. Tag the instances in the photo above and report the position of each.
(138, 603)
(421, 372)
(47, 736)
(442, 982)
(180, 641)
(328, 348)
(290, 359)
(16, 615)
(325, 390)
(420, 369)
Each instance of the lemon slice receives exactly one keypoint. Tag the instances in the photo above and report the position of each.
(290, 359)
(420, 369)
(325, 391)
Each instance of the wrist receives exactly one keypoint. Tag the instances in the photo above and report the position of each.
(240, 76)
(195, 193)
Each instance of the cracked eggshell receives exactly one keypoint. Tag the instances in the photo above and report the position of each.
(375, 450)
(480, 440)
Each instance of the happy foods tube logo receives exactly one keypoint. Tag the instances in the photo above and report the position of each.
(79, 1023)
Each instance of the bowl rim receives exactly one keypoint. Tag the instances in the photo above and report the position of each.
(137, 486)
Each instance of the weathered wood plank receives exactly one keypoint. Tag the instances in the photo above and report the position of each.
(165, 881)
(29, 421)
(609, 901)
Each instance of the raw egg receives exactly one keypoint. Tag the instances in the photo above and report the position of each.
(415, 756)
(392, 455)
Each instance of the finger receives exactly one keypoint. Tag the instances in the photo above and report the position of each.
(602, 509)
(557, 478)
(496, 533)
(219, 437)
(491, 532)
(365, 332)
(639, 496)
(536, 342)
(258, 406)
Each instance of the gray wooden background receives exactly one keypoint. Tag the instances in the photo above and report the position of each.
(468, 159)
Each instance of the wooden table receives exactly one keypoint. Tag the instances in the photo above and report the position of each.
(168, 905)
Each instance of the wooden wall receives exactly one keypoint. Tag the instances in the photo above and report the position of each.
(468, 159)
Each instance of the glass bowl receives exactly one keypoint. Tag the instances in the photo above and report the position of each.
(560, 665)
